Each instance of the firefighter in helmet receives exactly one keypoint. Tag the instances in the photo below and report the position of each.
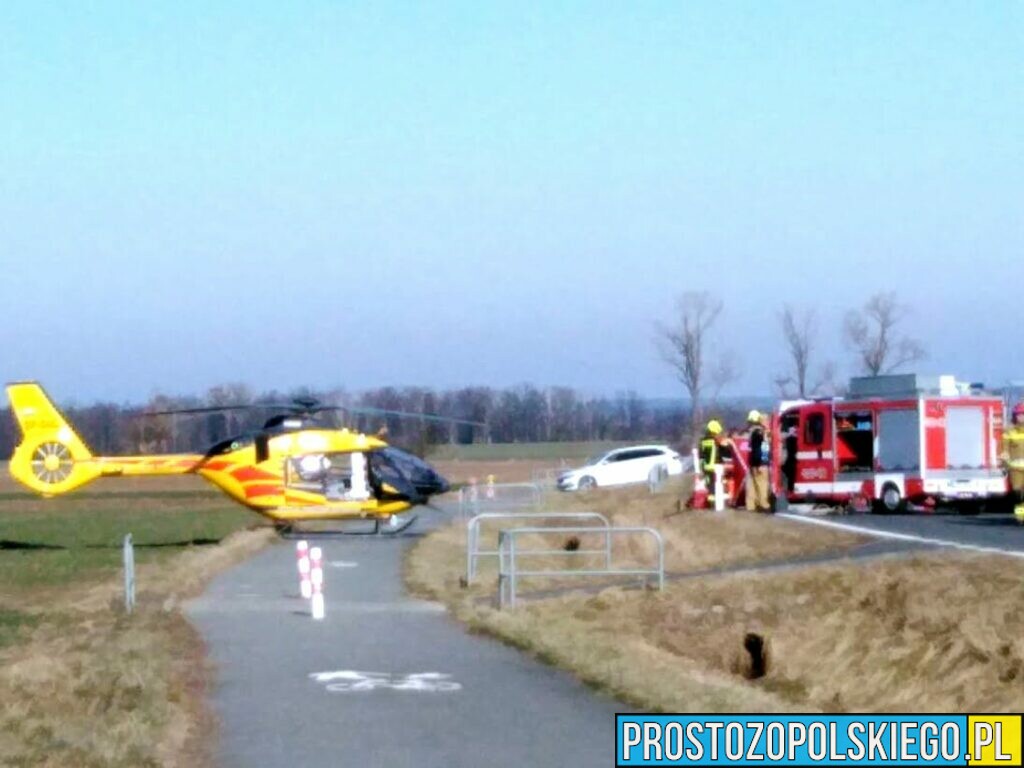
(1013, 455)
(757, 477)
(710, 454)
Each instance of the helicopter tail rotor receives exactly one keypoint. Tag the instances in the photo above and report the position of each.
(51, 458)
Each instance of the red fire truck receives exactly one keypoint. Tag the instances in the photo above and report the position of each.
(891, 440)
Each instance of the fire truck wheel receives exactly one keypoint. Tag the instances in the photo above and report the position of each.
(891, 501)
(587, 483)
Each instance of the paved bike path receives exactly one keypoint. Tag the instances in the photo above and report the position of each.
(509, 710)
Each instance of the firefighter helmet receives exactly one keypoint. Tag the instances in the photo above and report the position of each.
(715, 427)
(754, 417)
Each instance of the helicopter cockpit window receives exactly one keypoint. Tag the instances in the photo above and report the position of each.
(338, 476)
(407, 477)
(228, 446)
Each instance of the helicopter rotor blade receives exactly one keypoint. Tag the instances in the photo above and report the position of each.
(309, 407)
(206, 409)
(370, 411)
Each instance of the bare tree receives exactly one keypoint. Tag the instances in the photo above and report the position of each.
(873, 333)
(683, 346)
(799, 331)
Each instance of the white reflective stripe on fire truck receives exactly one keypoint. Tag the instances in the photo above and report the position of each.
(847, 487)
(814, 454)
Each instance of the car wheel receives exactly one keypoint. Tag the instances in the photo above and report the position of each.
(891, 501)
(587, 483)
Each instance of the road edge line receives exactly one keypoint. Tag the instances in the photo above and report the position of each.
(901, 536)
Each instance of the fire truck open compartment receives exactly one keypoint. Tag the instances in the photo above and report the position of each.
(855, 442)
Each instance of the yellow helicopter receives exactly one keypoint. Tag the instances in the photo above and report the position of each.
(292, 470)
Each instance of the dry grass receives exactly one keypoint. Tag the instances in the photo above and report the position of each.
(81, 684)
(90, 686)
(694, 540)
(941, 632)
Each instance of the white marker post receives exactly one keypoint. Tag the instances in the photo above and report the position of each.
(305, 585)
(316, 576)
(719, 489)
(129, 574)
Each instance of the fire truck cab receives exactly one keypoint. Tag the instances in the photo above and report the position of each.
(893, 439)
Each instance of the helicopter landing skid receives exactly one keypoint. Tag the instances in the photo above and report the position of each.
(391, 526)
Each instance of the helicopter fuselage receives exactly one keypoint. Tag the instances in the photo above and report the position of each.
(287, 471)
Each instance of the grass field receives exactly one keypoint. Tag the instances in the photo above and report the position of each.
(510, 462)
(569, 451)
(929, 633)
(81, 683)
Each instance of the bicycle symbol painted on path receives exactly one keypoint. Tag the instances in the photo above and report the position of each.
(351, 681)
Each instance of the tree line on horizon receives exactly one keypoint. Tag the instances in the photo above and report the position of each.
(523, 413)
(526, 413)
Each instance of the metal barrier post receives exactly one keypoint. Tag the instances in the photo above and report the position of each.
(512, 572)
(501, 569)
(129, 574)
(473, 552)
(509, 570)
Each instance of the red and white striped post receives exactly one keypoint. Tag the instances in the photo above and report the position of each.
(316, 576)
(305, 585)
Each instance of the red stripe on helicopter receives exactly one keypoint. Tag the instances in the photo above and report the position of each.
(254, 491)
(216, 465)
(245, 474)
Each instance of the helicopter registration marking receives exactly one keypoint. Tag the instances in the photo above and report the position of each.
(343, 564)
(351, 681)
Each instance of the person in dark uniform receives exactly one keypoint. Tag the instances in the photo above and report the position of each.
(757, 479)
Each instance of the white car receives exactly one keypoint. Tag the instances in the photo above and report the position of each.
(621, 467)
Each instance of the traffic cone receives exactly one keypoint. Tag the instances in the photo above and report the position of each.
(699, 497)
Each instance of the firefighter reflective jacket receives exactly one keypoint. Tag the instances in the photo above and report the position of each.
(708, 453)
(1013, 447)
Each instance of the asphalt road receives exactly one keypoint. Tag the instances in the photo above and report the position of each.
(496, 707)
(990, 533)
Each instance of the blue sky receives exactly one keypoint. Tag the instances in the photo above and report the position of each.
(331, 193)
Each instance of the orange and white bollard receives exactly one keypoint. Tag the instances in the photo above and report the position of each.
(316, 577)
(305, 585)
